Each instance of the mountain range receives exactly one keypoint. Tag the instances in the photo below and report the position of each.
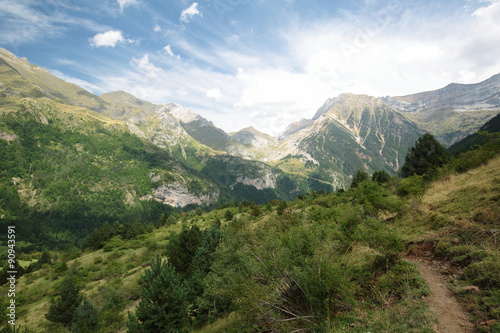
(206, 165)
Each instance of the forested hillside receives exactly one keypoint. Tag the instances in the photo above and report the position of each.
(325, 262)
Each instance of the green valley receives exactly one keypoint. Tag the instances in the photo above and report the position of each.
(136, 217)
(324, 262)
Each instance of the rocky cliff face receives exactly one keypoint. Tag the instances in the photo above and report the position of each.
(268, 180)
(179, 195)
(454, 97)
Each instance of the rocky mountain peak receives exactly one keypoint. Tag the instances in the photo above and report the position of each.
(294, 128)
(250, 136)
(351, 107)
(184, 115)
(484, 95)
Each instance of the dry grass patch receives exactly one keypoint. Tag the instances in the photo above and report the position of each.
(466, 194)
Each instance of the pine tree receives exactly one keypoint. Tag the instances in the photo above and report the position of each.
(63, 306)
(85, 318)
(202, 261)
(163, 307)
(182, 248)
(425, 157)
(360, 176)
(45, 258)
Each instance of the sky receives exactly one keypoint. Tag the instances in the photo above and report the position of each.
(261, 63)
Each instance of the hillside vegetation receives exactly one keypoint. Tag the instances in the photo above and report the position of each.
(325, 262)
(135, 217)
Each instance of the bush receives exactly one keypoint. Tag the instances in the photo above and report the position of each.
(359, 177)
(412, 186)
(376, 198)
(113, 243)
(384, 240)
(471, 159)
(228, 215)
(381, 177)
(402, 280)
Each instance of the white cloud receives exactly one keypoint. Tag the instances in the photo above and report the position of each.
(147, 67)
(188, 13)
(214, 94)
(22, 24)
(181, 91)
(107, 39)
(125, 3)
(400, 53)
(168, 50)
(81, 83)
(233, 39)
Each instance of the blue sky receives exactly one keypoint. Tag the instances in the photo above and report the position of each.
(264, 63)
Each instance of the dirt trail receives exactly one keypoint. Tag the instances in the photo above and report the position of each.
(451, 318)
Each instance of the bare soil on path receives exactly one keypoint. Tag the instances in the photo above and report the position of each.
(451, 318)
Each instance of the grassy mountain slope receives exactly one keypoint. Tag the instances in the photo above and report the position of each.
(71, 169)
(324, 263)
(21, 78)
(124, 105)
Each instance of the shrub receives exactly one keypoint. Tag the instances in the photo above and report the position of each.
(381, 177)
(359, 177)
(374, 197)
(228, 215)
(402, 280)
(471, 159)
(113, 243)
(384, 240)
(412, 186)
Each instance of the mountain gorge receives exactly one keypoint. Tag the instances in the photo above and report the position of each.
(251, 233)
(115, 148)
